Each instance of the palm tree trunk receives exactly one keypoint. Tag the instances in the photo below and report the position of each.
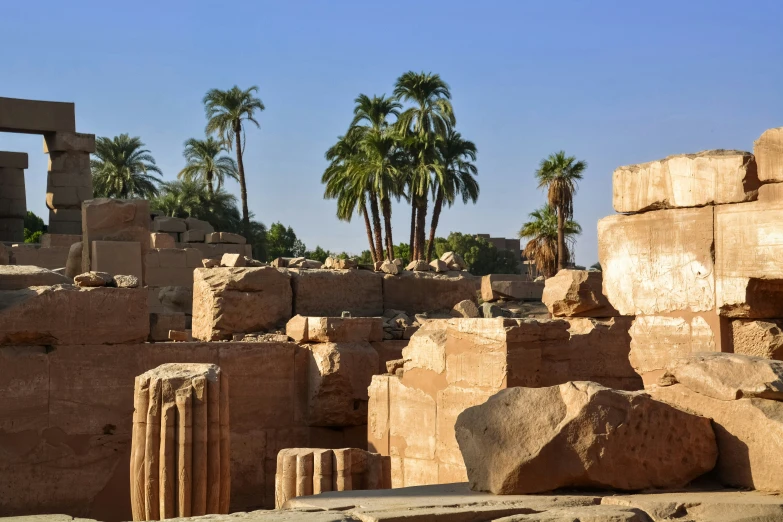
(386, 208)
(209, 184)
(434, 224)
(368, 229)
(420, 225)
(412, 244)
(561, 261)
(242, 185)
(376, 225)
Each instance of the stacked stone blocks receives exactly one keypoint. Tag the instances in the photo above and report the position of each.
(13, 203)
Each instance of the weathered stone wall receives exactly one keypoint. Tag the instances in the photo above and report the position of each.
(66, 413)
(452, 364)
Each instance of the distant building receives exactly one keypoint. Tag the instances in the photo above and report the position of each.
(526, 267)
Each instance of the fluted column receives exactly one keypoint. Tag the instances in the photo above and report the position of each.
(180, 451)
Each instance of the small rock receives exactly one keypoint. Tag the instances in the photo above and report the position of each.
(180, 336)
(454, 261)
(346, 264)
(249, 261)
(210, 262)
(418, 266)
(93, 279)
(439, 266)
(345, 314)
(489, 310)
(397, 262)
(390, 267)
(126, 281)
(233, 260)
(279, 262)
(466, 308)
(393, 365)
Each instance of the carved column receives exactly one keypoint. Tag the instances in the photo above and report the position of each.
(180, 452)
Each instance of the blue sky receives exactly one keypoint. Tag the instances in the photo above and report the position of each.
(612, 82)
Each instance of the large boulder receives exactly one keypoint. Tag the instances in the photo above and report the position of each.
(239, 300)
(577, 293)
(580, 434)
(749, 431)
(16, 277)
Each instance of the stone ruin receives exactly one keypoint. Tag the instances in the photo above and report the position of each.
(659, 372)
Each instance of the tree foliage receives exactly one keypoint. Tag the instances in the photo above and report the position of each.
(542, 233)
(480, 255)
(282, 242)
(34, 228)
(204, 163)
(123, 168)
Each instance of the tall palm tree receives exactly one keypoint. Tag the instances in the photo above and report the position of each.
(544, 246)
(123, 168)
(430, 117)
(456, 178)
(205, 163)
(375, 111)
(559, 174)
(192, 198)
(226, 111)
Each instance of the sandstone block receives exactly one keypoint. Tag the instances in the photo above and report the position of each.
(389, 267)
(161, 323)
(225, 237)
(339, 375)
(17, 277)
(758, 338)
(14, 160)
(93, 279)
(59, 240)
(11, 229)
(577, 293)
(748, 267)
(176, 299)
(236, 260)
(69, 161)
(524, 440)
(710, 177)
(418, 266)
(439, 266)
(335, 329)
(168, 224)
(161, 240)
(193, 236)
(181, 450)
(114, 220)
(748, 432)
(67, 197)
(76, 177)
(454, 261)
(117, 258)
(126, 281)
(328, 293)
(198, 224)
(68, 141)
(73, 315)
(466, 308)
(36, 117)
(658, 261)
(73, 264)
(239, 300)
(510, 286)
(768, 150)
(416, 292)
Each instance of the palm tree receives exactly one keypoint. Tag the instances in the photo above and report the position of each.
(192, 198)
(558, 174)
(123, 168)
(456, 178)
(430, 117)
(544, 247)
(205, 163)
(226, 110)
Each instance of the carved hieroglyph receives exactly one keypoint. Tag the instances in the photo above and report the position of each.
(686, 180)
(749, 259)
(659, 261)
(180, 452)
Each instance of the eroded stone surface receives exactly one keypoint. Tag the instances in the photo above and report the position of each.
(335, 329)
(510, 286)
(17, 277)
(709, 177)
(658, 261)
(577, 293)
(416, 292)
(768, 150)
(529, 440)
(758, 338)
(328, 293)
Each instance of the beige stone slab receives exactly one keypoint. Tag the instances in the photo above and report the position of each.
(20, 276)
(417, 292)
(510, 286)
(36, 117)
(106, 219)
(413, 418)
(658, 261)
(769, 155)
(117, 258)
(328, 293)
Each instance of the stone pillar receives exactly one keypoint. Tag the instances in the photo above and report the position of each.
(180, 451)
(308, 471)
(13, 203)
(69, 181)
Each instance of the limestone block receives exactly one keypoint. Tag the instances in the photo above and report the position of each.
(768, 150)
(60, 240)
(168, 224)
(709, 177)
(117, 258)
(239, 300)
(656, 341)
(181, 451)
(197, 224)
(68, 141)
(758, 338)
(17, 277)
(749, 260)
(114, 220)
(195, 235)
(311, 471)
(14, 160)
(161, 323)
(225, 237)
(161, 240)
(530, 440)
(65, 314)
(748, 432)
(658, 261)
(510, 286)
(339, 375)
(416, 292)
(328, 293)
(335, 329)
(577, 293)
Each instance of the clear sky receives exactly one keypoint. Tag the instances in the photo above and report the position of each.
(612, 82)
